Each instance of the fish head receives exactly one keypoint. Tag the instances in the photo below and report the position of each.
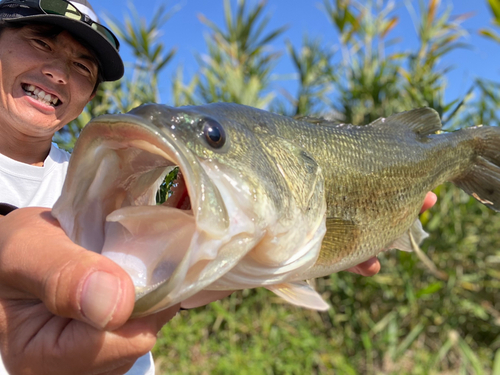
(231, 203)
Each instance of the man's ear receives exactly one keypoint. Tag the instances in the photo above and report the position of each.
(92, 96)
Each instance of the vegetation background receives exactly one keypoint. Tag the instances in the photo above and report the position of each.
(408, 319)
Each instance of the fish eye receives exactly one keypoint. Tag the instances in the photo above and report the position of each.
(214, 133)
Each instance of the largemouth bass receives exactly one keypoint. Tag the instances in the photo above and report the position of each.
(261, 199)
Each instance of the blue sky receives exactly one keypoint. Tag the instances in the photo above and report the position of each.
(186, 32)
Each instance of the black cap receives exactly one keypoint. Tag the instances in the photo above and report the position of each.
(103, 44)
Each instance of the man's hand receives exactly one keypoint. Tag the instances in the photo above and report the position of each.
(372, 266)
(63, 309)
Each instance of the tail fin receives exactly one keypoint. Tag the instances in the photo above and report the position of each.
(482, 180)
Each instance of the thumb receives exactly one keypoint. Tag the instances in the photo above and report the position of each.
(38, 260)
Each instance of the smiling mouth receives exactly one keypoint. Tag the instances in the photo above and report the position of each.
(40, 95)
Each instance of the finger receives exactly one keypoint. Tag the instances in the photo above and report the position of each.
(37, 259)
(62, 346)
(429, 201)
(367, 268)
(134, 339)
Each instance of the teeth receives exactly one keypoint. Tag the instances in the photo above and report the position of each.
(35, 92)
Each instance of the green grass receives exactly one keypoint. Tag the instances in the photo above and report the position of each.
(401, 321)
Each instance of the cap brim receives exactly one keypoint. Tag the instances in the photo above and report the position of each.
(108, 56)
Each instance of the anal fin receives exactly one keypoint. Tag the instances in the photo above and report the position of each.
(299, 293)
(404, 242)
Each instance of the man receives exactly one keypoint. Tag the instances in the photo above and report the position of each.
(63, 310)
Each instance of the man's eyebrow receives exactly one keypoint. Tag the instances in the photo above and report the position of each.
(90, 58)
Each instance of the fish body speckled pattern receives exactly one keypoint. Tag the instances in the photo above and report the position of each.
(272, 200)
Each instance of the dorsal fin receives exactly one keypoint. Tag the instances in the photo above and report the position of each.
(422, 121)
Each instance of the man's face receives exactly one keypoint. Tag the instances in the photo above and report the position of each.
(44, 82)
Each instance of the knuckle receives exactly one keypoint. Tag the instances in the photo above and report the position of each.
(58, 291)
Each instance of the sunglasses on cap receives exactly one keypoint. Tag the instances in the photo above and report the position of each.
(66, 9)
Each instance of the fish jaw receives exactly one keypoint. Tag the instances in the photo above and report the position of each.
(108, 206)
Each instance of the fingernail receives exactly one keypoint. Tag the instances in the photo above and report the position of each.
(100, 295)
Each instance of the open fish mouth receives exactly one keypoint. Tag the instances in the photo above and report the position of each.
(109, 206)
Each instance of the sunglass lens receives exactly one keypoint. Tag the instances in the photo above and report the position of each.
(61, 8)
(106, 33)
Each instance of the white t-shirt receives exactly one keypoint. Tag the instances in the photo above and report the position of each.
(24, 185)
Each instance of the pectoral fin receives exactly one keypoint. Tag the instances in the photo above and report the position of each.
(404, 242)
(299, 293)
